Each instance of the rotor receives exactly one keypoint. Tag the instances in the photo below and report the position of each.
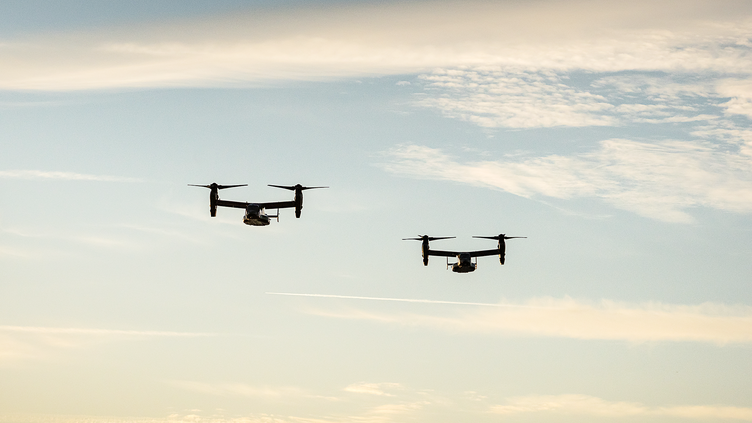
(499, 237)
(214, 194)
(294, 187)
(427, 238)
(216, 186)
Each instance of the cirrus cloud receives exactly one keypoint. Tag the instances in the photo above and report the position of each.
(568, 318)
(657, 180)
(386, 39)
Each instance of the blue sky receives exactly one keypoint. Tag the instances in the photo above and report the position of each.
(616, 137)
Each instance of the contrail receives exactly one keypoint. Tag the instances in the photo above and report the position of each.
(408, 300)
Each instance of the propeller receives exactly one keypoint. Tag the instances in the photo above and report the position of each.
(294, 187)
(428, 238)
(214, 185)
(499, 237)
(214, 194)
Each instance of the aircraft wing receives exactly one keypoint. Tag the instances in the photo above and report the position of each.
(277, 205)
(483, 253)
(442, 253)
(235, 204)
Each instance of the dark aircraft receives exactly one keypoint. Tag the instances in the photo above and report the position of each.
(464, 259)
(255, 213)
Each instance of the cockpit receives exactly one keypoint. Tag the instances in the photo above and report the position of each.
(253, 209)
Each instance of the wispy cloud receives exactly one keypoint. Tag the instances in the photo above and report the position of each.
(417, 406)
(379, 389)
(364, 39)
(34, 342)
(584, 405)
(658, 180)
(568, 318)
(65, 176)
(519, 98)
(239, 389)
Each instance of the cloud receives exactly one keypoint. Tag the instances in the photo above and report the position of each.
(568, 318)
(64, 176)
(33, 342)
(584, 405)
(475, 408)
(496, 96)
(379, 389)
(657, 180)
(740, 92)
(238, 389)
(386, 39)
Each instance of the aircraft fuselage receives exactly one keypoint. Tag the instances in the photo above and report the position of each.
(464, 264)
(255, 216)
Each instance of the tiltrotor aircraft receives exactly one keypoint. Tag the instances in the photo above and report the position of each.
(464, 258)
(255, 213)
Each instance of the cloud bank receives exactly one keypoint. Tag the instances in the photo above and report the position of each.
(429, 406)
(584, 405)
(32, 342)
(658, 180)
(568, 318)
(387, 39)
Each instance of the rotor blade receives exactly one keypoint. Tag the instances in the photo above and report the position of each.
(487, 237)
(231, 186)
(292, 188)
(435, 238)
(218, 186)
(412, 239)
(304, 188)
(510, 237)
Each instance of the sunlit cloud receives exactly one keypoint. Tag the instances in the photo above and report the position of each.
(740, 92)
(497, 97)
(385, 39)
(517, 98)
(584, 405)
(549, 407)
(568, 318)
(380, 389)
(63, 176)
(238, 389)
(657, 180)
(33, 342)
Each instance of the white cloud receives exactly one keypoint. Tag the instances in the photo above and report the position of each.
(740, 92)
(65, 176)
(475, 408)
(584, 405)
(238, 389)
(568, 318)
(380, 39)
(495, 96)
(379, 389)
(31, 342)
(659, 180)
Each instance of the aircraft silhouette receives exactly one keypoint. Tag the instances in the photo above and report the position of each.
(464, 258)
(255, 213)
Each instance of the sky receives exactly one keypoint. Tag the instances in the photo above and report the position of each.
(615, 136)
